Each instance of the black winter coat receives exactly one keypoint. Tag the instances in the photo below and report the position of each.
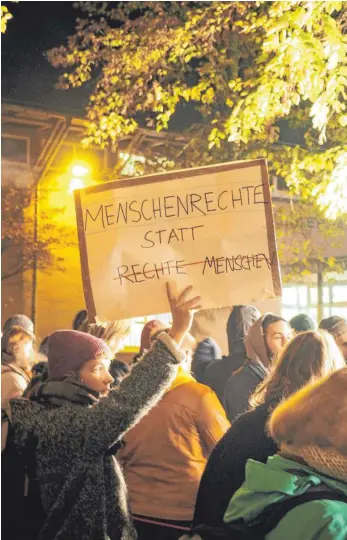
(240, 386)
(217, 373)
(225, 469)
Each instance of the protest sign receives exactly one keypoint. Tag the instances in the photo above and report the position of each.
(211, 227)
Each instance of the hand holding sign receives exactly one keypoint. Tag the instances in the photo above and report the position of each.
(182, 308)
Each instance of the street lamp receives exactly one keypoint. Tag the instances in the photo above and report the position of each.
(79, 172)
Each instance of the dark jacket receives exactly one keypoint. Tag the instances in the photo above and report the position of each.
(83, 491)
(225, 469)
(205, 354)
(240, 387)
(217, 373)
(243, 382)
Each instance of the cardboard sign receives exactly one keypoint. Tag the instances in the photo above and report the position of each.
(210, 227)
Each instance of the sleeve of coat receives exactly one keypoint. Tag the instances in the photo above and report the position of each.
(212, 421)
(113, 416)
(12, 386)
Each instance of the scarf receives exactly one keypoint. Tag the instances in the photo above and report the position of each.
(63, 392)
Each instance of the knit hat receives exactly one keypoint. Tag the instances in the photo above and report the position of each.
(151, 328)
(311, 424)
(303, 323)
(68, 350)
(334, 325)
(19, 320)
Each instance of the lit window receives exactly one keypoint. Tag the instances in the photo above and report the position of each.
(303, 299)
(289, 296)
(339, 293)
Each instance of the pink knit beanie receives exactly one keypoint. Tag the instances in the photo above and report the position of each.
(68, 350)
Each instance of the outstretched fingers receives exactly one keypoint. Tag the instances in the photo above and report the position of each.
(194, 303)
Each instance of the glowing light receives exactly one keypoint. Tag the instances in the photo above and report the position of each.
(80, 170)
(76, 183)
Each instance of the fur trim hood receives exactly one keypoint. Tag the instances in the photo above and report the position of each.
(316, 416)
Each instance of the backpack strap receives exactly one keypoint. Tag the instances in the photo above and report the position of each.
(271, 517)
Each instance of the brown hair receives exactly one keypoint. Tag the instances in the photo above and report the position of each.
(306, 358)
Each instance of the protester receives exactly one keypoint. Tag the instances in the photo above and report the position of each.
(337, 326)
(217, 373)
(17, 358)
(303, 323)
(206, 353)
(19, 320)
(309, 475)
(113, 333)
(80, 318)
(75, 421)
(264, 342)
(149, 331)
(166, 453)
(308, 357)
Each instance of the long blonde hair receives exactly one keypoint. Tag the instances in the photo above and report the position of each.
(307, 357)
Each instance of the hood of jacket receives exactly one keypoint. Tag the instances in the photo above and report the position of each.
(239, 323)
(255, 343)
(272, 482)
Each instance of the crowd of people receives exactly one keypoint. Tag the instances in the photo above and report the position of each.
(181, 443)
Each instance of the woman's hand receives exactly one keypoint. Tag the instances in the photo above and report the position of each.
(183, 306)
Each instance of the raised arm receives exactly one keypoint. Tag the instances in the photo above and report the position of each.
(150, 378)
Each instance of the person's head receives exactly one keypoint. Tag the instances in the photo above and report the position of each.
(113, 333)
(311, 425)
(309, 356)
(149, 333)
(119, 371)
(19, 320)
(80, 318)
(239, 323)
(337, 327)
(43, 349)
(276, 332)
(80, 355)
(17, 347)
(303, 323)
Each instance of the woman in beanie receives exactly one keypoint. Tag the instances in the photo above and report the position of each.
(308, 357)
(74, 423)
(310, 430)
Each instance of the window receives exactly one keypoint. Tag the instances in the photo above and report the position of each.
(15, 149)
(339, 293)
(304, 299)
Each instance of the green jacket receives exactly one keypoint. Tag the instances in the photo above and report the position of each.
(278, 479)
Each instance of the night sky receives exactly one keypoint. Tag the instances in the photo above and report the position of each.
(27, 76)
(29, 79)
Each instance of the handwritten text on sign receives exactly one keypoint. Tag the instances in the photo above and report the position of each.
(210, 227)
